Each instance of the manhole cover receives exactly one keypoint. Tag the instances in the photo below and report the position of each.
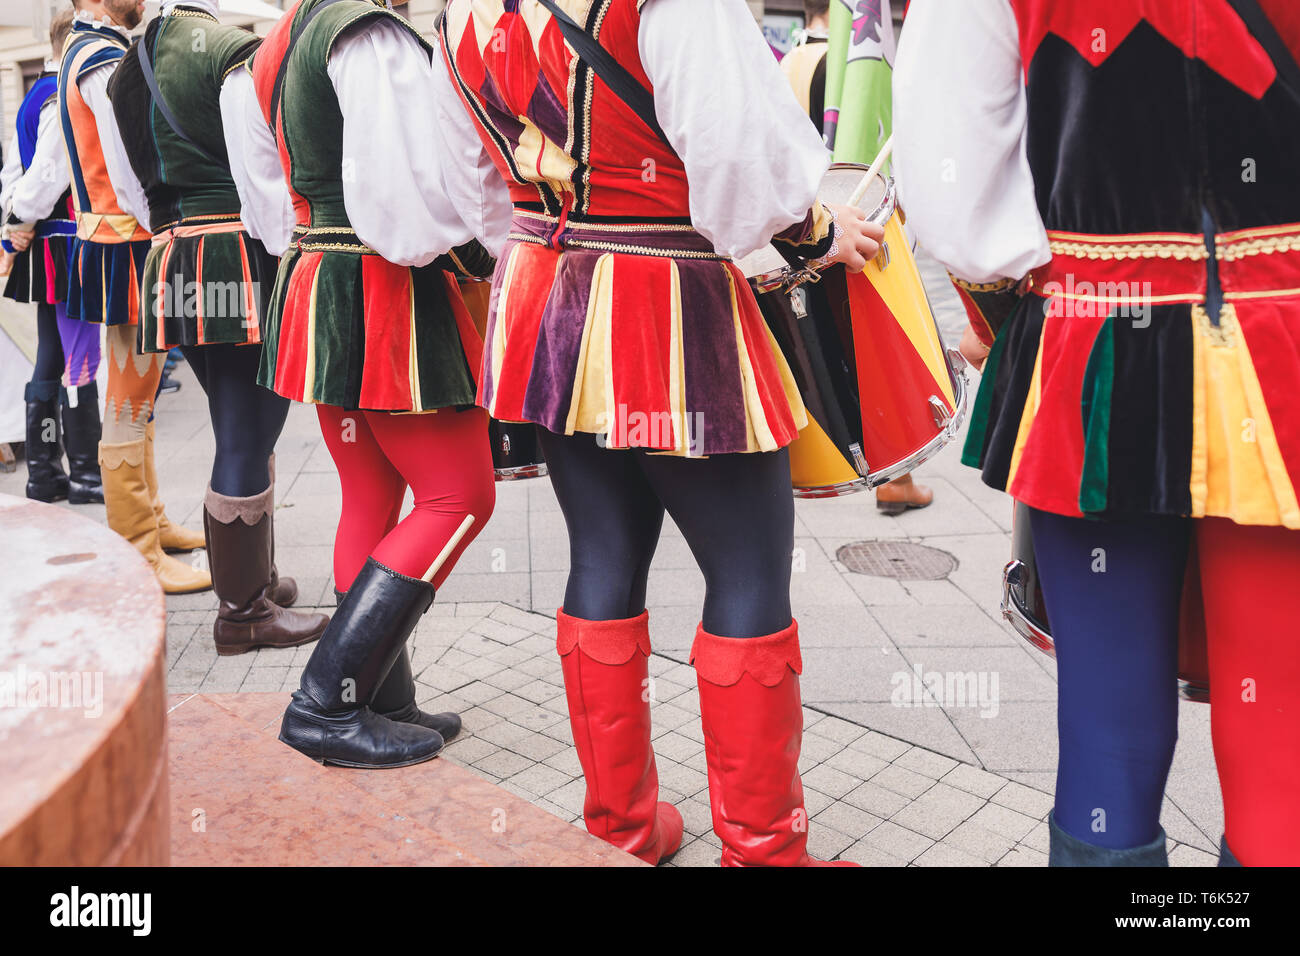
(897, 559)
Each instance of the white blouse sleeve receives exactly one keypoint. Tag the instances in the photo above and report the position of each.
(11, 172)
(127, 188)
(472, 182)
(753, 162)
(37, 191)
(394, 153)
(266, 208)
(960, 140)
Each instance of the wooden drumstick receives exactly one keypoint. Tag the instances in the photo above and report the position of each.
(441, 559)
(871, 173)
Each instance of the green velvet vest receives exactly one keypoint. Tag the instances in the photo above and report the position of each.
(312, 121)
(191, 54)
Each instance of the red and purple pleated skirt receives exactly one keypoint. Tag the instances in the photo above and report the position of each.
(637, 332)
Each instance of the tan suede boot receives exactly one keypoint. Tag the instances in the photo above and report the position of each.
(171, 536)
(902, 493)
(131, 514)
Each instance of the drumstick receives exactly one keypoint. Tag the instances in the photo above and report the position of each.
(441, 559)
(871, 173)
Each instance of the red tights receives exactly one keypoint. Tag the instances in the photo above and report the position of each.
(1249, 577)
(445, 459)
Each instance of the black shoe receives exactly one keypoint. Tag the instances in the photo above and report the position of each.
(395, 698)
(46, 479)
(81, 435)
(168, 384)
(328, 719)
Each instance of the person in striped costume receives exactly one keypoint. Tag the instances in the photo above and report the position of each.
(621, 326)
(105, 273)
(62, 397)
(206, 282)
(343, 167)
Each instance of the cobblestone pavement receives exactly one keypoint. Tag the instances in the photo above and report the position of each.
(891, 778)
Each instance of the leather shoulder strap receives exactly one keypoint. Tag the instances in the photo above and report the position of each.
(623, 84)
(146, 67)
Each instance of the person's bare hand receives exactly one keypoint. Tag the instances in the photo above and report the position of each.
(859, 238)
(6, 263)
(973, 350)
(19, 240)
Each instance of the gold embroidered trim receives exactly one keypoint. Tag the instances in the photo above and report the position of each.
(583, 226)
(1001, 285)
(196, 14)
(1232, 251)
(1136, 250)
(1218, 336)
(643, 250)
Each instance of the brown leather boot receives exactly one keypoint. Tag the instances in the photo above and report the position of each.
(131, 514)
(171, 536)
(239, 553)
(901, 494)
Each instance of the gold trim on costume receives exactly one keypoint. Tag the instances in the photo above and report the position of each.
(1130, 250)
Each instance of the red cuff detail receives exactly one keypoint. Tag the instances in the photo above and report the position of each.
(724, 660)
(606, 642)
(976, 317)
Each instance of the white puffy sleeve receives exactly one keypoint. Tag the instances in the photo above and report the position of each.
(266, 208)
(13, 169)
(960, 140)
(130, 194)
(395, 158)
(473, 183)
(753, 161)
(37, 191)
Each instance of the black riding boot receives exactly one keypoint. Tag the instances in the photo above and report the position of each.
(1067, 850)
(328, 719)
(81, 434)
(395, 698)
(46, 479)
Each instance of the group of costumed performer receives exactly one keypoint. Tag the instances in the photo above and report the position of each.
(104, 287)
(342, 166)
(616, 304)
(62, 397)
(204, 288)
(1139, 309)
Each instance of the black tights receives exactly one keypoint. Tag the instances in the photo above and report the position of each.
(246, 418)
(49, 347)
(735, 511)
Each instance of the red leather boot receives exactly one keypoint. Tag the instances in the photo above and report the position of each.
(606, 680)
(753, 729)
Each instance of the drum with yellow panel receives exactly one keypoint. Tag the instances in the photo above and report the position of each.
(883, 393)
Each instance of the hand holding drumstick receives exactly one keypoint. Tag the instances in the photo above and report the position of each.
(857, 239)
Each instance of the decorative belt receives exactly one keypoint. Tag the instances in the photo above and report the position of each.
(198, 226)
(671, 239)
(48, 228)
(330, 239)
(1166, 268)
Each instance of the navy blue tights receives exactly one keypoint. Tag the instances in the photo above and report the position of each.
(1112, 591)
(735, 511)
(246, 418)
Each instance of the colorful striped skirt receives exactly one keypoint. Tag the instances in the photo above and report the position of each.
(104, 281)
(346, 327)
(206, 282)
(639, 333)
(1111, 392)
(40, 272)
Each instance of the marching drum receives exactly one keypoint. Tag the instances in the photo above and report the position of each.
(1025, 609)
(516, 452)
(883, 394)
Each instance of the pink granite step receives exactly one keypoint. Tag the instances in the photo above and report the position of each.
(264, 804)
